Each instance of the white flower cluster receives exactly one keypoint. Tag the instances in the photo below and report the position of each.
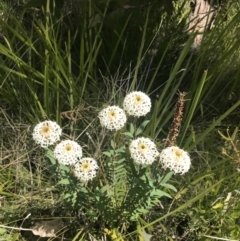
(46, 133)
(112, 117)
(143, 151)
(134, 104)
(137, 104)
(86, 169)
(175, 159)
(68, 152)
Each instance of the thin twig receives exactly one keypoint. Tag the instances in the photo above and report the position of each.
(25, 229)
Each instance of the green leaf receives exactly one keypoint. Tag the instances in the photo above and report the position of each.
(64, 181)
(104, 188)
(67, 195)
(64, 168)
(113, 145)
(146, 236)
(131, 129)
(167, 177)
(51, 156)
(128, 134)
(169, 186)
(122, 149)
(2, 231)
(160, 193)
(107, 153)
(82, 189)
(142, 127)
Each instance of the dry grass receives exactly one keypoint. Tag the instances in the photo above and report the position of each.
(26, 184)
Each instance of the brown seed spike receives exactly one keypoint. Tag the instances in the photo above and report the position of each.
(178, 114)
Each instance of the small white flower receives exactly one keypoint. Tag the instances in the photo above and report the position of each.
(46, 133)
(175, 159)
(143, 151)
(86, 169)
(112, 117)
(137, 104)
(68, 152)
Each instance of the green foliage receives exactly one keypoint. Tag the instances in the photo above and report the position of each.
(126, 190)
(64, 62)
(44, 67)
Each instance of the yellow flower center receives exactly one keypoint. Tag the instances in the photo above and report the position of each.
(138, 100)
(178, 154)
(46, 131)
(68, 148)
(112, 114)
(142, 147)
(85, 167)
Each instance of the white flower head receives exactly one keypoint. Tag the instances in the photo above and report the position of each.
(86, 169)
(46, 133)
(112, 117)
(68, 152)
(175, 159)
(137, 104)
(143, 151)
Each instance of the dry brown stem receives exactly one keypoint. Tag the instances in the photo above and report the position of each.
(178, 113)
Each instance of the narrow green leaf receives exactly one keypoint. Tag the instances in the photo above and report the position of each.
(51, 156)
(160, 193)
(131, 129)
(169, 186)
(193, 106)
(128, 134)
(233, 136)
(214, 124)
(113, 145)
(140, 52)
(224, 137)
(67, 195)
(104, 188)
(167, 177)
(107, 153)
(122, 149)
(64, 168)
(64, 181)
(142, 127)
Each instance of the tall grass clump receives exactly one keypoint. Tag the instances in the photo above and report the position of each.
(113, 128)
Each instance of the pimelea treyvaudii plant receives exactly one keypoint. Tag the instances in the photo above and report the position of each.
(175, 159)
(143, 151)
(47, 133)
(68, 152)
(125, 180)
(112, 118)
(86, 169)
(137, 104)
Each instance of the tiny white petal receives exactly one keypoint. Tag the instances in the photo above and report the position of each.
(68, 152)
(86, 169)
(143, 151)
(137, 104)
(175, 159)
(46, 133)
(112, 117)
